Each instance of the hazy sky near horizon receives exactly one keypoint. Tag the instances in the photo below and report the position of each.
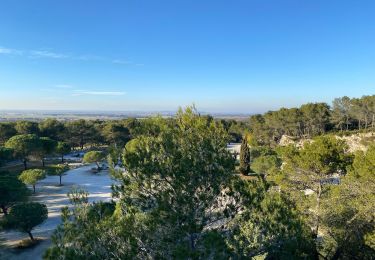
(225, 56)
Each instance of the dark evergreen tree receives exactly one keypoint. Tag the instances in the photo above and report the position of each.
(244, 157)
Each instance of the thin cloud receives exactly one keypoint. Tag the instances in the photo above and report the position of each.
(48, 54)
(89, 58)
(9, 51)
(64, 86)
(99, 93)
(125, 62)
(32, 54)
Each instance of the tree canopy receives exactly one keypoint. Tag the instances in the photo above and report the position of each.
(32, 176)
(58, 170)
(179, 198)
(23, 146)
(12, 191)
(25, 216)
(93, 157)
(63, 148)
(46, 146)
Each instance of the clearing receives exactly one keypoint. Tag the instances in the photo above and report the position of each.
(48, 192)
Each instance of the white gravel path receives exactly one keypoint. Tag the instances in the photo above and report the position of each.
(54, 196)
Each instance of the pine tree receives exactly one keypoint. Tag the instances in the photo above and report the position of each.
(244, 158)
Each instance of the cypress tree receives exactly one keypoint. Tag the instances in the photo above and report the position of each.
(244, 158)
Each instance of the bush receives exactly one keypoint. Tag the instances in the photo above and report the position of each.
(266, 164)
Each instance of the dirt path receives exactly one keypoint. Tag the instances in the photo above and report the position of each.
(54, 196)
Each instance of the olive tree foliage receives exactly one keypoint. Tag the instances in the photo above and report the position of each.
(12, 191)
(23, 146)
(32, 176)
(26, 215)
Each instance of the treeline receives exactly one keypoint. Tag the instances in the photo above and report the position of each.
(76, 133)
(25, 139)
(313, 119)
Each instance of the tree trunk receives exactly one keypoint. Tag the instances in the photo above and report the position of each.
(60, 180)
(97, 165)
(34, 188)
(62, 158)
(318, 209)
(43, 163)
(30, 235)
(25, 163)
(4, 209)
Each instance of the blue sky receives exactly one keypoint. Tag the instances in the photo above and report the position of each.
(224, 56)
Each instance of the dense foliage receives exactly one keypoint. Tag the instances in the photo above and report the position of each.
(180, 199)
(180, 196)
(23, 146)
(12, 191)
(313, 119)
(244, 158)
(25, 216)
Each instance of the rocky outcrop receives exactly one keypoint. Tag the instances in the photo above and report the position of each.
(356, 142)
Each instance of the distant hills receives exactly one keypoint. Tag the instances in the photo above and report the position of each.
(36, 115)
